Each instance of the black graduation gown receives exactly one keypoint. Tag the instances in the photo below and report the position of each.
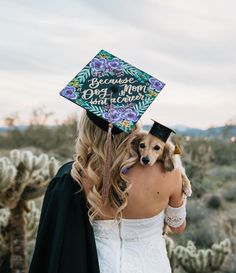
(65, 240)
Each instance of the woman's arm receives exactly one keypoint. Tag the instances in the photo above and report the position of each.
(176, 209)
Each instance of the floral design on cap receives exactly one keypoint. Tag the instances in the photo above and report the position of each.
(92, 89)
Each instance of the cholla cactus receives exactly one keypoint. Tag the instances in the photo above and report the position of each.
(31, 226)
(23, 177)
(198, 261)
(4, 219)
(32, 219)
(170, 247)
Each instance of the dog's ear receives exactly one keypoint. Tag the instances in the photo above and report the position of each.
(168, 157)
(136, 141)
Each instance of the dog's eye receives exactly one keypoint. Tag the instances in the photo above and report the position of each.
(156, 147)
(142, 145)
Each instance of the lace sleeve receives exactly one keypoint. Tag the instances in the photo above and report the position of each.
(175, 217)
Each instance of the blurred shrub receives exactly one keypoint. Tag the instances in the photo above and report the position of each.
(199, 226)
(197, 159)
(208, 162)
(231, 269)
(222, 173)
(230, 194)
(214, 202)
(201, 233)
(60, 138)
(224, 152)
(202, 186)
(196, 212)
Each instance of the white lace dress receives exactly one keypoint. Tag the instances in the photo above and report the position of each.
(133, 246)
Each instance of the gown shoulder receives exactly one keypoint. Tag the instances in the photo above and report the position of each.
(63, 179)
(64, 229)
(64, 169)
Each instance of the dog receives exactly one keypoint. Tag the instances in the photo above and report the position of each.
(152, 149)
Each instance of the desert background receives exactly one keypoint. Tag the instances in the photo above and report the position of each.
(188, 45)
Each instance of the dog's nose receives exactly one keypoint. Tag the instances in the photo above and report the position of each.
(145, 160)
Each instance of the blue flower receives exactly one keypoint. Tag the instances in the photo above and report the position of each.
(113, 115)
(69, 92)
(98, 64)
(131, 115)
(155, 84)
(114, 64)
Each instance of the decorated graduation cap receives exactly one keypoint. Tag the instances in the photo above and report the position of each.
(115, 95)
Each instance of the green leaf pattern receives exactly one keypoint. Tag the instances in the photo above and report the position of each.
(83, 74)
(97, 110)
(142, 106)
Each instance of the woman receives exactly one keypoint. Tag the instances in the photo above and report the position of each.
(78, 233)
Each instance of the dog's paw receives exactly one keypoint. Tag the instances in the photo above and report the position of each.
(187, 188)
(187, 191)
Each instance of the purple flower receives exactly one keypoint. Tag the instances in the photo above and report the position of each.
(155, 84)
(98, 64)
(114, 64)
(69, 92)
(131, 115)
(114, 115)
(106, 114)
(107, 68)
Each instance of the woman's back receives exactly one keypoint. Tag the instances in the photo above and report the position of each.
(136, 243)
(152, 189)
(127, 209)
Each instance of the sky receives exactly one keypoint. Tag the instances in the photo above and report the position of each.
(189, 45)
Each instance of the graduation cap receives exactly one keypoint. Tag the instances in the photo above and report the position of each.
(114, 93)
(161, 131)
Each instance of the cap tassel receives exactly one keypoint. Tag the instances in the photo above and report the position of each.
(107, 169)
(177, 150)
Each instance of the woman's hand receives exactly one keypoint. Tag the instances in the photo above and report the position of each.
(178, 229)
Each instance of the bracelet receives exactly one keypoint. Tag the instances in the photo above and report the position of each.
(175, 217)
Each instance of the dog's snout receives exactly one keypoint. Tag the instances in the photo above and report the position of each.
(146, 160)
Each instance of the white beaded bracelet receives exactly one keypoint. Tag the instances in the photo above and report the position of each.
(175, 217)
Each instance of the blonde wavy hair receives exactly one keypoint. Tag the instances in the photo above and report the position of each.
(89, 162)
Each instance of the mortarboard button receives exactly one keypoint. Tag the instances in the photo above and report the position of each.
(102, 123)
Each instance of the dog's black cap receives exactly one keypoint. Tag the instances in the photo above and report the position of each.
(160, 131)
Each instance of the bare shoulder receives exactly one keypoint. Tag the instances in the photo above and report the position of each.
(153, 171)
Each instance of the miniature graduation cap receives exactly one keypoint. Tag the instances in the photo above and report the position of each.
(115, 95)
(161, 131)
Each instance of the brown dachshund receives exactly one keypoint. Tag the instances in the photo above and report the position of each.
(152, 149)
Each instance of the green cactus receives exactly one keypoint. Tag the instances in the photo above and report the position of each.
(193, 260)
(4, 219)
(23, 177)
(170, 247)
